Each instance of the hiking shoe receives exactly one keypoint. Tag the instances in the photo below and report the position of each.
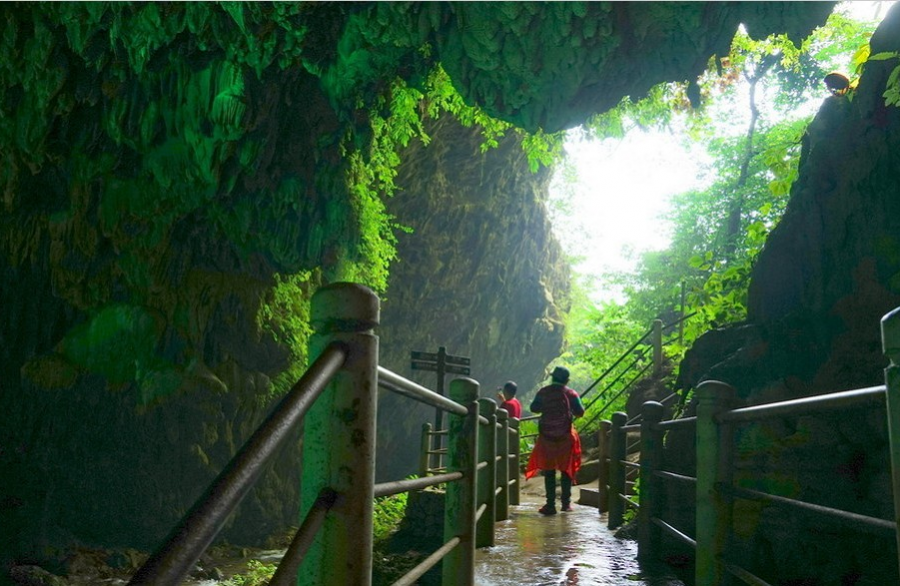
(566, 508)
(547, 510)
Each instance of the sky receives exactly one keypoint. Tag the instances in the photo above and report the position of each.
(624, 186)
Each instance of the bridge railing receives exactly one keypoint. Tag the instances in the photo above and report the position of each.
(507, 454)
(715, 487)
(335, 400)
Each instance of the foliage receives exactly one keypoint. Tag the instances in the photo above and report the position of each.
(258, 574)
(630, 513)
(285, 315)
(892, 86)
(744, 111)
(143, 167)
(389, 512)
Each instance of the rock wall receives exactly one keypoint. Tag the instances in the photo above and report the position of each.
(480, 274)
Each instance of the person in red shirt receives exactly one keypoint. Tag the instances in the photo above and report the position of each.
(558, 446)
(508, 401)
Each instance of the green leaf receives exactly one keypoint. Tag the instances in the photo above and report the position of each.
(884, 56)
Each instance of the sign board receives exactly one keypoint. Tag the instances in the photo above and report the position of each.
(424, 366)
(456, 369)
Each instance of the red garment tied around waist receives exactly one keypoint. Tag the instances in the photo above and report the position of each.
(563, 454)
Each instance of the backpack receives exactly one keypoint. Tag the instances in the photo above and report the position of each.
(556, 418)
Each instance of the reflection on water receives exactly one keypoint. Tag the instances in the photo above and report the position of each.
(560, 550)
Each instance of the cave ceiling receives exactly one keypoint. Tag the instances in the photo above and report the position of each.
(550, 65)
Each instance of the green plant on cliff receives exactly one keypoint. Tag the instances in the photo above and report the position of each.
(257, 574)
(137, 156)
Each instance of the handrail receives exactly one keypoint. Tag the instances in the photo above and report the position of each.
(398, 486)
(612, 383)
(286, 573)
(617, 362)
(631, 349)
(852, 519)
(396, 383)
(196, 530)
(713, 513)
(481, 483)
(839, 400)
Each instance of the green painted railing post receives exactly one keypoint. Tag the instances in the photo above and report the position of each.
(714, 468)
(487, 476)
(890, 338)
(423, 451)
(459, 504)
(603, 474)
(616, 470)
(515, 450)
(651, 462)
(502, 512)
(339, 438)
(657, 346)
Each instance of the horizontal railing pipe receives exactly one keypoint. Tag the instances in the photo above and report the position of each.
(398, 384)
(674, 423)
(673, 532)
(665, 474)
(845, 517)
(397, 486)
(190, 538)
(410, 577)
(805, 405)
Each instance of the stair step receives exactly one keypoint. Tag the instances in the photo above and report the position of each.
(589, 497)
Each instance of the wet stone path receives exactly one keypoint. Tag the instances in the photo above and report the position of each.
(560, 550)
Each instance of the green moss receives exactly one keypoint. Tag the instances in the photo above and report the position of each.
(285, 315)
(140, 149)
(119, 342)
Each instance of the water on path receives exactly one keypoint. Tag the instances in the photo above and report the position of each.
(560, 550)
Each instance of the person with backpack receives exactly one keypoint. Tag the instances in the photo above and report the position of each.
(558, 446)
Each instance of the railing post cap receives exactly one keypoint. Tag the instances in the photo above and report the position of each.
(619, 418)
(890, 335)
(652, 411)
(464, 389)
(714, 390)
(487, 406)
(345, 307)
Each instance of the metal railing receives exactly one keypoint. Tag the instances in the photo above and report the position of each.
(508, 458)
(335, 399)
(715, 487)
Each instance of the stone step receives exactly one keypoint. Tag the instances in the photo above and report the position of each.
(589, 497)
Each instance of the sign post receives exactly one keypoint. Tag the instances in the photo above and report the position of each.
(441, 363)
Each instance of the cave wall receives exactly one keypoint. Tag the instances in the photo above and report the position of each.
(174, 185)
(480, 274)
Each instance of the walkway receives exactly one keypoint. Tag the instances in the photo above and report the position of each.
(561, 550)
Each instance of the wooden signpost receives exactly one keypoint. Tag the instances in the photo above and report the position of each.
(441, 363)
